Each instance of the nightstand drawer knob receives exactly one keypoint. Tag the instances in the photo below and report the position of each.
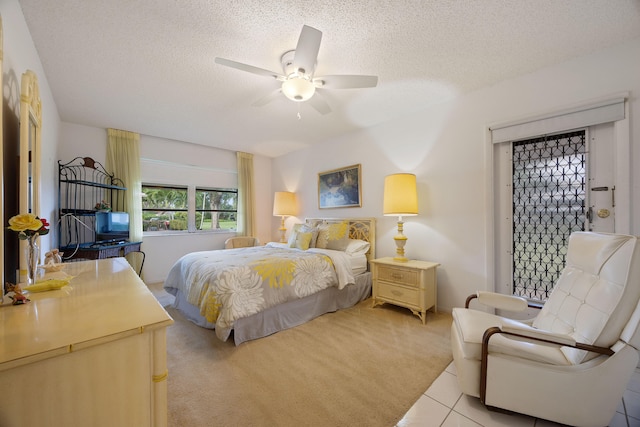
(397, 276)
(397, 293)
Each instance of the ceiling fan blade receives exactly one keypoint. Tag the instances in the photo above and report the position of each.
(345, 82)
(248, 68)
(319, 104)
(267, 98)
(307, 49)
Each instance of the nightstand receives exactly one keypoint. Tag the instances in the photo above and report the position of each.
(410, 284)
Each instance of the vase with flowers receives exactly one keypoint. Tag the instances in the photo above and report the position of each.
(29, 228)
(103, 206)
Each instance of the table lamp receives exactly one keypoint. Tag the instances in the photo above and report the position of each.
(400, 199)
(284, 204)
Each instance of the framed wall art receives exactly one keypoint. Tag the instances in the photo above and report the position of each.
(340, 188)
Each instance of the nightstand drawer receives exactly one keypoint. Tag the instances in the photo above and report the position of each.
(411, 284)
(402, 294)
(398, 275)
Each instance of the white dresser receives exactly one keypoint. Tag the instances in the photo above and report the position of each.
(90, 354)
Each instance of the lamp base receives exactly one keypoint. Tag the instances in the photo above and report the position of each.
(283, 231)
(401, 240)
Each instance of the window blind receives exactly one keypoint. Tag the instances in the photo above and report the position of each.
(606, 111)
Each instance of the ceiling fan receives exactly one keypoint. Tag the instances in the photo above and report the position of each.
(298, 81)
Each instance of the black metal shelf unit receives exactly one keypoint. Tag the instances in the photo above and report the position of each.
(83, 183)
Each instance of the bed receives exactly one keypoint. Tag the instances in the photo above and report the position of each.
(249, 293)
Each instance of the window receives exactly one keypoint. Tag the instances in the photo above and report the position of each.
(164, 208)
(173, 208)
(216, 209)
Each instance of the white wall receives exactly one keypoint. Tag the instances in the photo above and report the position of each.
(82, 141)
(175, 162)
(446, 146)
(19, 56)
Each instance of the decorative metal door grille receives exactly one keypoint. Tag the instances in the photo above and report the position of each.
(549, 190)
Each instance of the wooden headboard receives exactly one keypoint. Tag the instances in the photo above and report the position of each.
(359, 228)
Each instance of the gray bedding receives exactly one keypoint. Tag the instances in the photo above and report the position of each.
(286, 315)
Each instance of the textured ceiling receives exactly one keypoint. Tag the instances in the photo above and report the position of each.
(148, 65)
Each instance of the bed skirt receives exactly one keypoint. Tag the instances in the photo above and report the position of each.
(287, 315)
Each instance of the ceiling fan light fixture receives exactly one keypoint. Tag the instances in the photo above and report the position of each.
(298, 89)
(297, 81)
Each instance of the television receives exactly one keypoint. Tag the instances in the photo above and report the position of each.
(112, 227)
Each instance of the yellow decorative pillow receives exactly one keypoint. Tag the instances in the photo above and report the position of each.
(294, 231)
(303, 240)
(302, 228)
(333, 236)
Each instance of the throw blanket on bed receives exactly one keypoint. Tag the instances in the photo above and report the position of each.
(230, 284)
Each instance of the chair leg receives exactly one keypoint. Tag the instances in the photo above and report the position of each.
(500, 410)
(484, 360)
(134, 261)
(141, 263)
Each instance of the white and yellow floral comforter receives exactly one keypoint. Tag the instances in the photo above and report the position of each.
(230, 284)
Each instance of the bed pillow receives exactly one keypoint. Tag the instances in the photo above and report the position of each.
(357, 247)
(313, 223)
(333, 236)
(303, 240)
(302, 228)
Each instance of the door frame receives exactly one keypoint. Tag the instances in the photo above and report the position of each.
(622, 161)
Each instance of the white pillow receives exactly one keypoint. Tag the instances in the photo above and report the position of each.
(357, 247)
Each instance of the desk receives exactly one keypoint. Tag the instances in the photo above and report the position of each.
(90, 354)
(92, 251)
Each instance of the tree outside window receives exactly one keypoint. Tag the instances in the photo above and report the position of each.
(168, 208)
(216, 209)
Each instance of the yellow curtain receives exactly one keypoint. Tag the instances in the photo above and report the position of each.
(246, 205)
(123, 160)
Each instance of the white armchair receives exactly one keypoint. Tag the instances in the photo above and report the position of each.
(572, 362)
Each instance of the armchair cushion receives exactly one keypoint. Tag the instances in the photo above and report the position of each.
(471, 324)
(592, 301)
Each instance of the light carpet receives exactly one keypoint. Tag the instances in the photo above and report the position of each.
(361, 366)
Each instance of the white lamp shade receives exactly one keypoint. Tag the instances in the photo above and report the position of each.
(298, 89)
(284, 203)
(400, 195)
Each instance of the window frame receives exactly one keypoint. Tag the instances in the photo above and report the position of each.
(190, 210)
(218, 211)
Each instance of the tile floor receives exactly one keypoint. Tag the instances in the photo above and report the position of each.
(443, 405)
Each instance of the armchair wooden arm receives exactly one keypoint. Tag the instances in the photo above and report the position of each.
(500, 301)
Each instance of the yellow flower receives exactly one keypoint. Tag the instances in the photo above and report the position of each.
(28, 226)
(25, 222)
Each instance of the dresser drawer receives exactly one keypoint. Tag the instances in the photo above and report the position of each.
(398, 275)
(398, 293)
